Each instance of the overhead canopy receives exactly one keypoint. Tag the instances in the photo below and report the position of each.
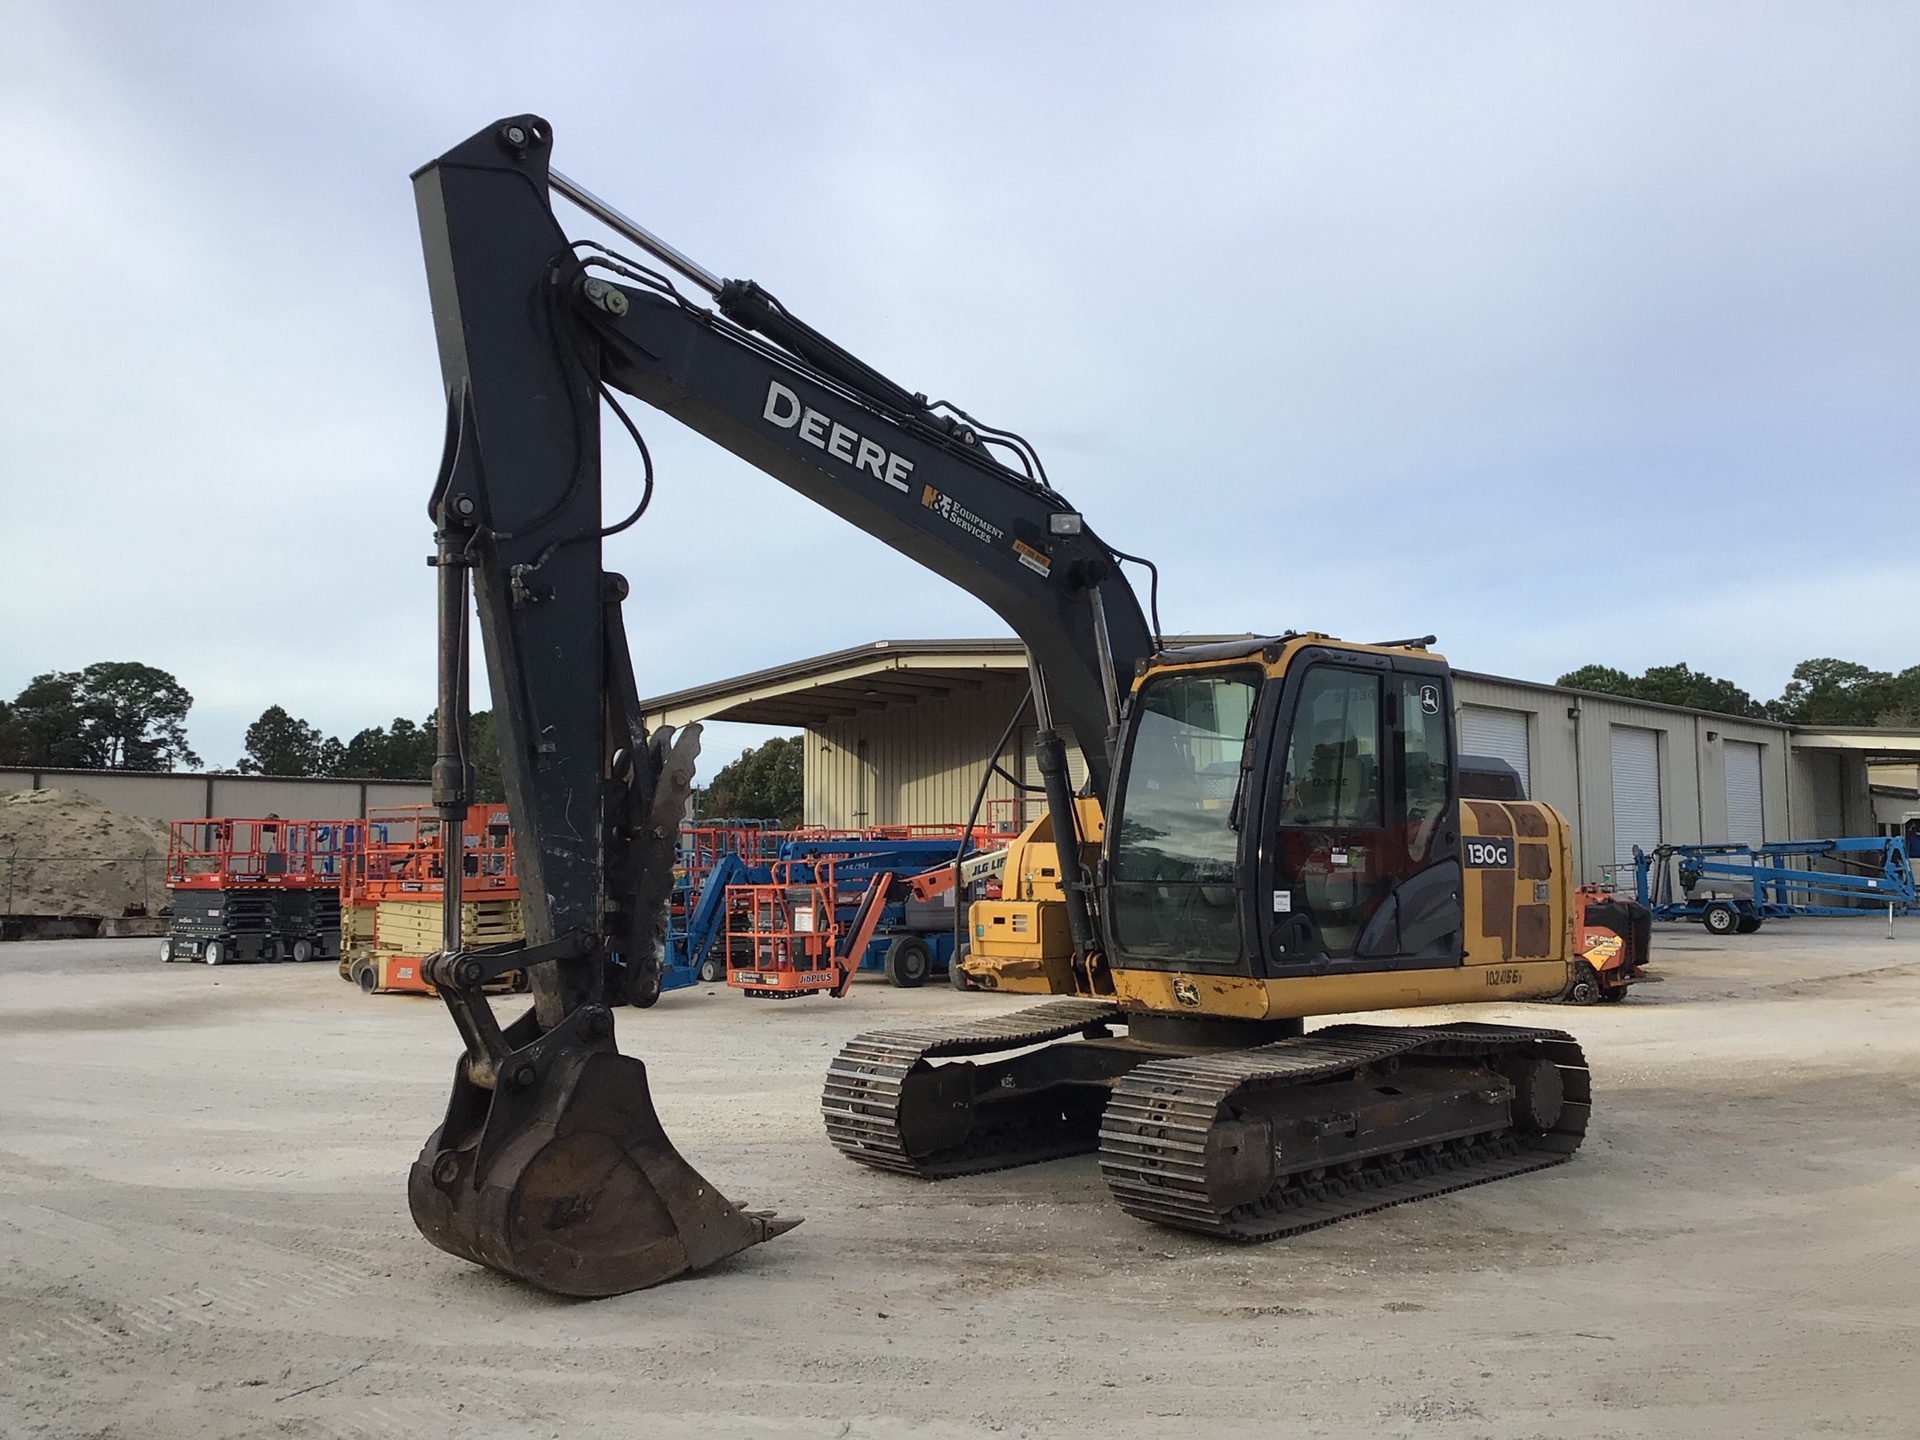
(845, 683)
(1878, 743)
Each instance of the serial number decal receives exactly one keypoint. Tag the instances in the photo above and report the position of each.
(954, 513)
(1503, 977)
(1487, 852)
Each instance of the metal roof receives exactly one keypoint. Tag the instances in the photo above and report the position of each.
(843, 683)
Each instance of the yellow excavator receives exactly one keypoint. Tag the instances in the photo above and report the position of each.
(1271, 829)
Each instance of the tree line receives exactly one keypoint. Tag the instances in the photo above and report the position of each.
(117, 715)
(279, 743)
(122, 715)
(1821, 692)
(767, 782)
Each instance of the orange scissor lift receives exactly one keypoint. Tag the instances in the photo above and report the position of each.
(391, 913)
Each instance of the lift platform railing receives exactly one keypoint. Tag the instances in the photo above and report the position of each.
(404, 856)
(253, 854)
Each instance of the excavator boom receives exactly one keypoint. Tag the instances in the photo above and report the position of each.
(550, 1164)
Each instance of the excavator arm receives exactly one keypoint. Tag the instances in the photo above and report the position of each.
(551, 1165)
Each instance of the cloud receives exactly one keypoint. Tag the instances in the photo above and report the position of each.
(1574, 334)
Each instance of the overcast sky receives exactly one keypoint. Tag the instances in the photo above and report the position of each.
(1571, 333)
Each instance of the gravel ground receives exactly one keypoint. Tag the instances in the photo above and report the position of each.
(204, 1227)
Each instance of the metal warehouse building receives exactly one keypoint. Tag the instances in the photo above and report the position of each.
(897, 733)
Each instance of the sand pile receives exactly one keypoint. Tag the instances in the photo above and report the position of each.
(64, 853)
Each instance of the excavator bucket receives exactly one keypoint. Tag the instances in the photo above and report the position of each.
(561, 1175)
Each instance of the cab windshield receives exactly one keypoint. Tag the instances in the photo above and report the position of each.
(1173, 895)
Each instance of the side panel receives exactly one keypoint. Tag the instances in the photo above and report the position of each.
(1518, 867)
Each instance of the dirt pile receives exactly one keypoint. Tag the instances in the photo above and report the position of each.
(64, 853)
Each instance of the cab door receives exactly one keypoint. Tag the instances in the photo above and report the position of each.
(1359, 866)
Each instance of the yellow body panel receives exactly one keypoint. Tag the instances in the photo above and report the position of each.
(356, 935)
(1020, 929)
(1020, 942)
(1020, 945)
(1300, 996)
(1525, 913)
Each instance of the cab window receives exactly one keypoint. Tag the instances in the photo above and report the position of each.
(1174, 892)
(1424, 755)
(1332, 776)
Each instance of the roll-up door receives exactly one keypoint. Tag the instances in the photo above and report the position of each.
(1501, 734)
(1636, 793)
(1746, 823)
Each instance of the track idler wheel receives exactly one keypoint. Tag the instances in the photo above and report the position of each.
(561, 1175)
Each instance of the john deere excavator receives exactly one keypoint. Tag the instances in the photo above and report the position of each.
(1271, 829)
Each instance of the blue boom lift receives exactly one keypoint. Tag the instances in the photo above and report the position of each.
(912, 941)
(1740, 886)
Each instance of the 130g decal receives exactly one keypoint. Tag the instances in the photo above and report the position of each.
(1487, 852)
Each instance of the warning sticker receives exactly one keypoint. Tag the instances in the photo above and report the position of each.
(1037, 561)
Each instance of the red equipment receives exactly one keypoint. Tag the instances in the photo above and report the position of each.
(785, 939)
(227, 854)
(1612, 936)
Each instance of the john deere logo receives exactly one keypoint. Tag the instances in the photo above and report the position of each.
(1186, 992)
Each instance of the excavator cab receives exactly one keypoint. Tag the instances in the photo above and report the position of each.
(1284, 807)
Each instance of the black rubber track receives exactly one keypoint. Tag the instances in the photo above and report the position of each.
(1153, 1138)
(861, 1102)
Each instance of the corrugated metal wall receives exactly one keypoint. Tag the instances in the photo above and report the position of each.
(1571, 738)
(192, 797)
(915, 764)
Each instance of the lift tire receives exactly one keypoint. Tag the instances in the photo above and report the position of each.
(302, 951)
(215, 953)
(909, 962)
(956, 976)
(1748, 924)
(166, 950)
(366, 977)
(1720, 918)
(1583, 987)
(711, 971)
(1613, 994)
